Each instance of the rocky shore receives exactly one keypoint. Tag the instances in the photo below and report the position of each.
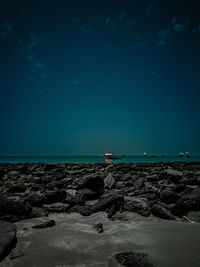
(170, 191)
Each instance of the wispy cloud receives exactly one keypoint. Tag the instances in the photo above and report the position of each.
(163, 37)
(86, 29)
(122, 16)
(111, 22)
(5, 30)
(130, 22)
(196, 29)
(179, 27)
(173, 21)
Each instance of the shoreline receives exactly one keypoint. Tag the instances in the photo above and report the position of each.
(169, 191)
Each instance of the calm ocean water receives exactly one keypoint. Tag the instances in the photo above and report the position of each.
(94, 159)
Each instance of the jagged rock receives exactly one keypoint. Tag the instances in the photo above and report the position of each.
(189, 181)
(36, 199)
(93, 182)
(168, 196)
(182, 207)
(38, 212)
(55, 196)
(17, 208)
(49, 223)
(87, 194)
(7, 238)
(109, 181)
(57, 207)
(179, 188)
(137, 205)
(17, 188)
(192, 194)
(83, 210)
(77, 199)
(173, 172)
(109, 201)
(161, 212)
(194, 216)
(99, 227)
(12, 175)
(134, 259)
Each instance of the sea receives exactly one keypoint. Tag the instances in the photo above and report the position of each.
(95, 159)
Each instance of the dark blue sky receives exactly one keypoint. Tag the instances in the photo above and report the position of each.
(88, 77)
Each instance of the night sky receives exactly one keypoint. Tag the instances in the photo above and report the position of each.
(88, 77)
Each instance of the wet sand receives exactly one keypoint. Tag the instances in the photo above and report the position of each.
(74, 241)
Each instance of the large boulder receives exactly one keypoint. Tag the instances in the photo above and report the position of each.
(36, 199)
(113, 201)
(87, 194)
(93, 182)
(57, 207)
(83, 210)
(12, 175)
(17, 188)
(192, 194)
(173, 175)
(7, 238)
(14, 210)
(161, 212)
(138, 205)
(55, 196)
(168, 196)
(182, 207)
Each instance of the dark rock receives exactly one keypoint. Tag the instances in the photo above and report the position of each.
(137, 205)
(182, 207)
(161, 212)
(168, 196)
(179, 188)
(87, 194)
(119, 216)
(93, 182)
(49, 223)
(7, 238)
(109, 201)
(189, 181)
(57, 207)
(12, 175)
(99, 227)
(174, 175)
(77, 199)
(17, 188)
(192, 194)
(194, 216)
(37, 187)
(38, 212)
(17, 208)
(36, 199)
(83, 210)
(133, 259)
(112, 210)
(55, 196)
(109, 181)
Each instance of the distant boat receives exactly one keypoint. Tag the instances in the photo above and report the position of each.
(153, 155)
(111, 156)
(181, 154)
(187, 154)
